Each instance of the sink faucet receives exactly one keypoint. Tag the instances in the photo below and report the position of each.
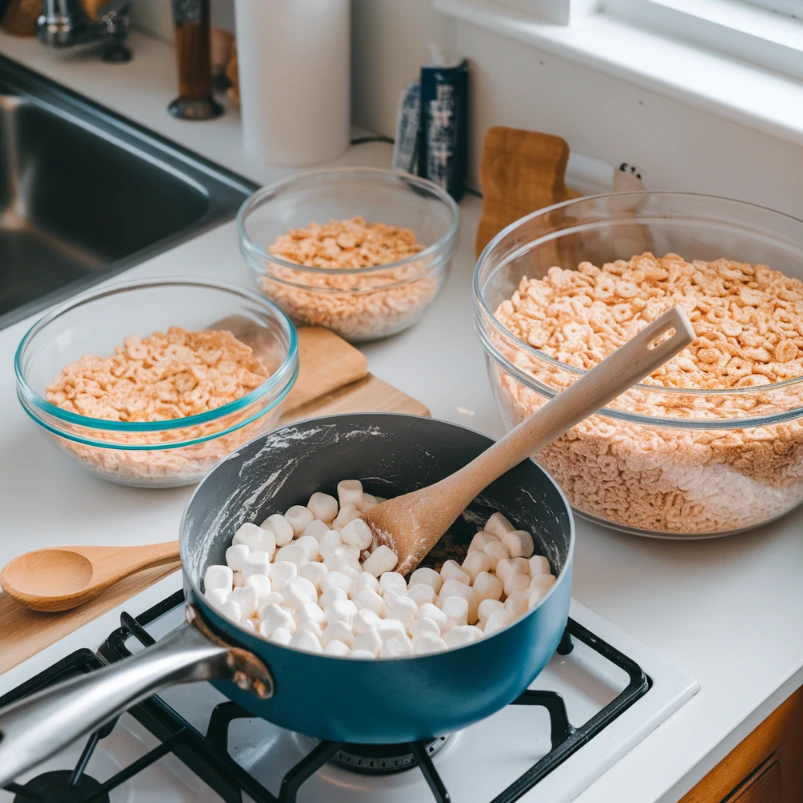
(64, 23)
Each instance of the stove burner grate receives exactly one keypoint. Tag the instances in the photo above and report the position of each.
(61, 785)
(208, 757)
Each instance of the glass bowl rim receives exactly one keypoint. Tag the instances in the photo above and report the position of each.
(481, 306)
(279, 379)
(251, 250)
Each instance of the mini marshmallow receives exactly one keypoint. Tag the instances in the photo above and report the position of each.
(455, 588)
(313, 627)
(292, 553)
(316, 530)
(274, 598)
(517, 582)
(542, 582)
(347, 513)
(456, 610)
(508, 566)
(336, 648)
(487, 607)
(481, 540)
(539, 565)
(498, 620)
(334, 580)
(382, 559)
(329, 541)
(390, 628)
(357, 533)
(281, 574)
(451, 571)
(488, 586)
(299, 518)
(427, 644)
(231, 610)
(255, 538)
(298, 592)
(427, 611)
(236, 556)
(330, 596)
(420, 594)
(369, 641)
(363, 655)
(351, 570)
(535, 597)
(519, 543)
(248, 624)
(309, 612)
(392, 581)
(337, 630)
(343, 610)
(498, 525)
(365, 619)
(304, 640)
(218, 577)
(516, 603)
(261, 582)
(462, 634)
(279, 636)
(238, 581)
(247, 599)
(314, 572)
(280, 527)
(496, 551)
(404, 609)
(322, 506)
(256, 563)
(217, 597)
(428, 576)
(349, 492)
(368, 502)
(397, 647)
(370, 600)
(475, 563)
(309, 544)
(363, 580)
(272, 616)
(423, 626)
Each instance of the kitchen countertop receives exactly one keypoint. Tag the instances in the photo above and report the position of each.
(728, 611)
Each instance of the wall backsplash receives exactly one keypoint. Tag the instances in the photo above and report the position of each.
(676, 146)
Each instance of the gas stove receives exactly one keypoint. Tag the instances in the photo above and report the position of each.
(600, 695)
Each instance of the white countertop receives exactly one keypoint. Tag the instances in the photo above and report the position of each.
(728, 612)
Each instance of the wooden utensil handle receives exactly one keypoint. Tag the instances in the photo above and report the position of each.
(629, 364)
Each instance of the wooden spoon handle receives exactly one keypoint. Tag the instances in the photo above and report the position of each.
(630, 363)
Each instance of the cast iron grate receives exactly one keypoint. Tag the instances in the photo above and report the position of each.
(208, 757)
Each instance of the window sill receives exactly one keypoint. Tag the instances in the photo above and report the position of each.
(723, 85)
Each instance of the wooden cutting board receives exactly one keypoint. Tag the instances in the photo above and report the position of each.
(333, 378)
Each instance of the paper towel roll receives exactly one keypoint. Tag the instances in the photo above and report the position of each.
(294, 65)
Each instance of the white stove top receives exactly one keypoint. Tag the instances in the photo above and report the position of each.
(476, 764)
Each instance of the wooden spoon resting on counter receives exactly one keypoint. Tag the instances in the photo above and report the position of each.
(412, 524)
(62, 578)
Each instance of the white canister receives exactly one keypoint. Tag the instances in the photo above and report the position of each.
(294, 64)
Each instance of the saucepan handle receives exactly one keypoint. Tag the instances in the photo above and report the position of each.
(38, 726)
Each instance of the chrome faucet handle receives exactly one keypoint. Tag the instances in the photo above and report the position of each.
(65, 23)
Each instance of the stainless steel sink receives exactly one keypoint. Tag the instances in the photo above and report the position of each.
(85, 193)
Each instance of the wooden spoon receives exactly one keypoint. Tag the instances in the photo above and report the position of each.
(60, 578)
(412, 524)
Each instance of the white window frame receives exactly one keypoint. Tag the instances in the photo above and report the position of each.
(792, 8)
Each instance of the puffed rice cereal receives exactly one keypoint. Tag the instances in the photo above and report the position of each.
(325, 586)
(161, 377)
(749, 325)
(357, 305)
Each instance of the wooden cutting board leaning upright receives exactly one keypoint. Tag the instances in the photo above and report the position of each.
(333, 378)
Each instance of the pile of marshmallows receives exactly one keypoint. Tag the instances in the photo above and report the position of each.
(313, 579)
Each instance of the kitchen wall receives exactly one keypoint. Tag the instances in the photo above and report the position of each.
(607, 119)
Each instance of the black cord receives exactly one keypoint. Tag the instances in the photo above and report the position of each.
(372, 138)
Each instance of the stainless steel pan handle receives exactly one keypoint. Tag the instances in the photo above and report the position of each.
(38, 726)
